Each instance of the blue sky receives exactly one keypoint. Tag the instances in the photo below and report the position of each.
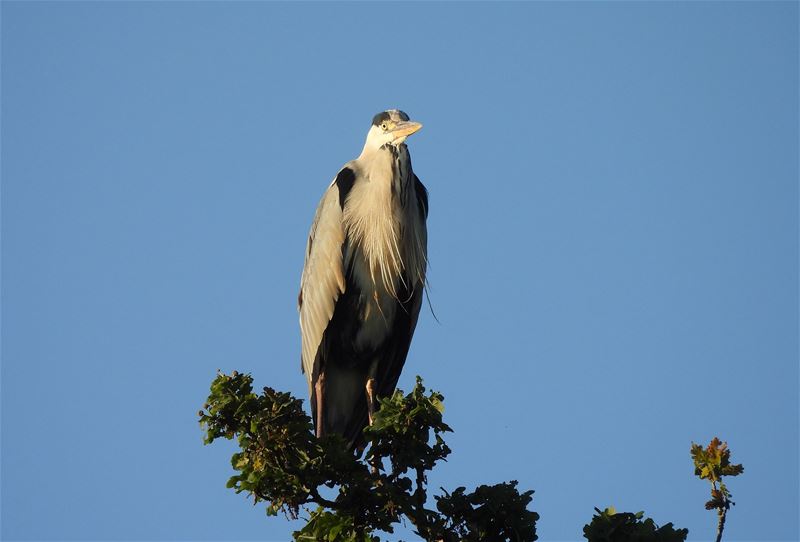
(613, 246)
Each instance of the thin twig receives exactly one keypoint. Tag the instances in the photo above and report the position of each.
(319, 499)
(721, 524)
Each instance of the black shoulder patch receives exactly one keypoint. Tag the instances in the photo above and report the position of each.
(422, 194)
(403, 115)
(379, 118)
(344, 182)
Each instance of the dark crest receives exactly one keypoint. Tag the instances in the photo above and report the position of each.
(379, 118)
(386, 115)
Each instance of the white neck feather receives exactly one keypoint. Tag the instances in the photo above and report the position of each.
(384, 228)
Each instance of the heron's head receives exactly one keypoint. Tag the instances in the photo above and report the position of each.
(392, 127)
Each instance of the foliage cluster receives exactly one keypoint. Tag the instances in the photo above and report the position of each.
(283, 463)
(610, 526)
(352, 497)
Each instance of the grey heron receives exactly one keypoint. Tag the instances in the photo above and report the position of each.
(363, 280)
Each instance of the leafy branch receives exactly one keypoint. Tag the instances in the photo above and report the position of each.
(282, 463)
(712, 463)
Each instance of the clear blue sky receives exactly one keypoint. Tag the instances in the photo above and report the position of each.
(613, 246)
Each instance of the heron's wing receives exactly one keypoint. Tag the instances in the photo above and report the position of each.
(323, 278)
(422, 197)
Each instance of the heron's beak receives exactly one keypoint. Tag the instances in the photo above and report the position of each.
(405, 128)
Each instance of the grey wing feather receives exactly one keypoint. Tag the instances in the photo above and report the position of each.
(322, 281)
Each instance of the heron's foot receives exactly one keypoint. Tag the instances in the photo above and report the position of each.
(370, 399)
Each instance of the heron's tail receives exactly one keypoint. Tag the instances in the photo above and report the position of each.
(344, 404)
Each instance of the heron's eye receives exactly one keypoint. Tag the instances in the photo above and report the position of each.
(384, 127)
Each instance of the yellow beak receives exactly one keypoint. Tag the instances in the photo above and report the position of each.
(405, 128)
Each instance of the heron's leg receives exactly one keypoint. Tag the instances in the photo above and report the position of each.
(372, 403)
(319, 387)
(370, 398)
(371, 387)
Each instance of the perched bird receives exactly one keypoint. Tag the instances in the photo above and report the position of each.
(363, 280)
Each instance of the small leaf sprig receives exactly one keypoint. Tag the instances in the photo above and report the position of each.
(712, 463)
